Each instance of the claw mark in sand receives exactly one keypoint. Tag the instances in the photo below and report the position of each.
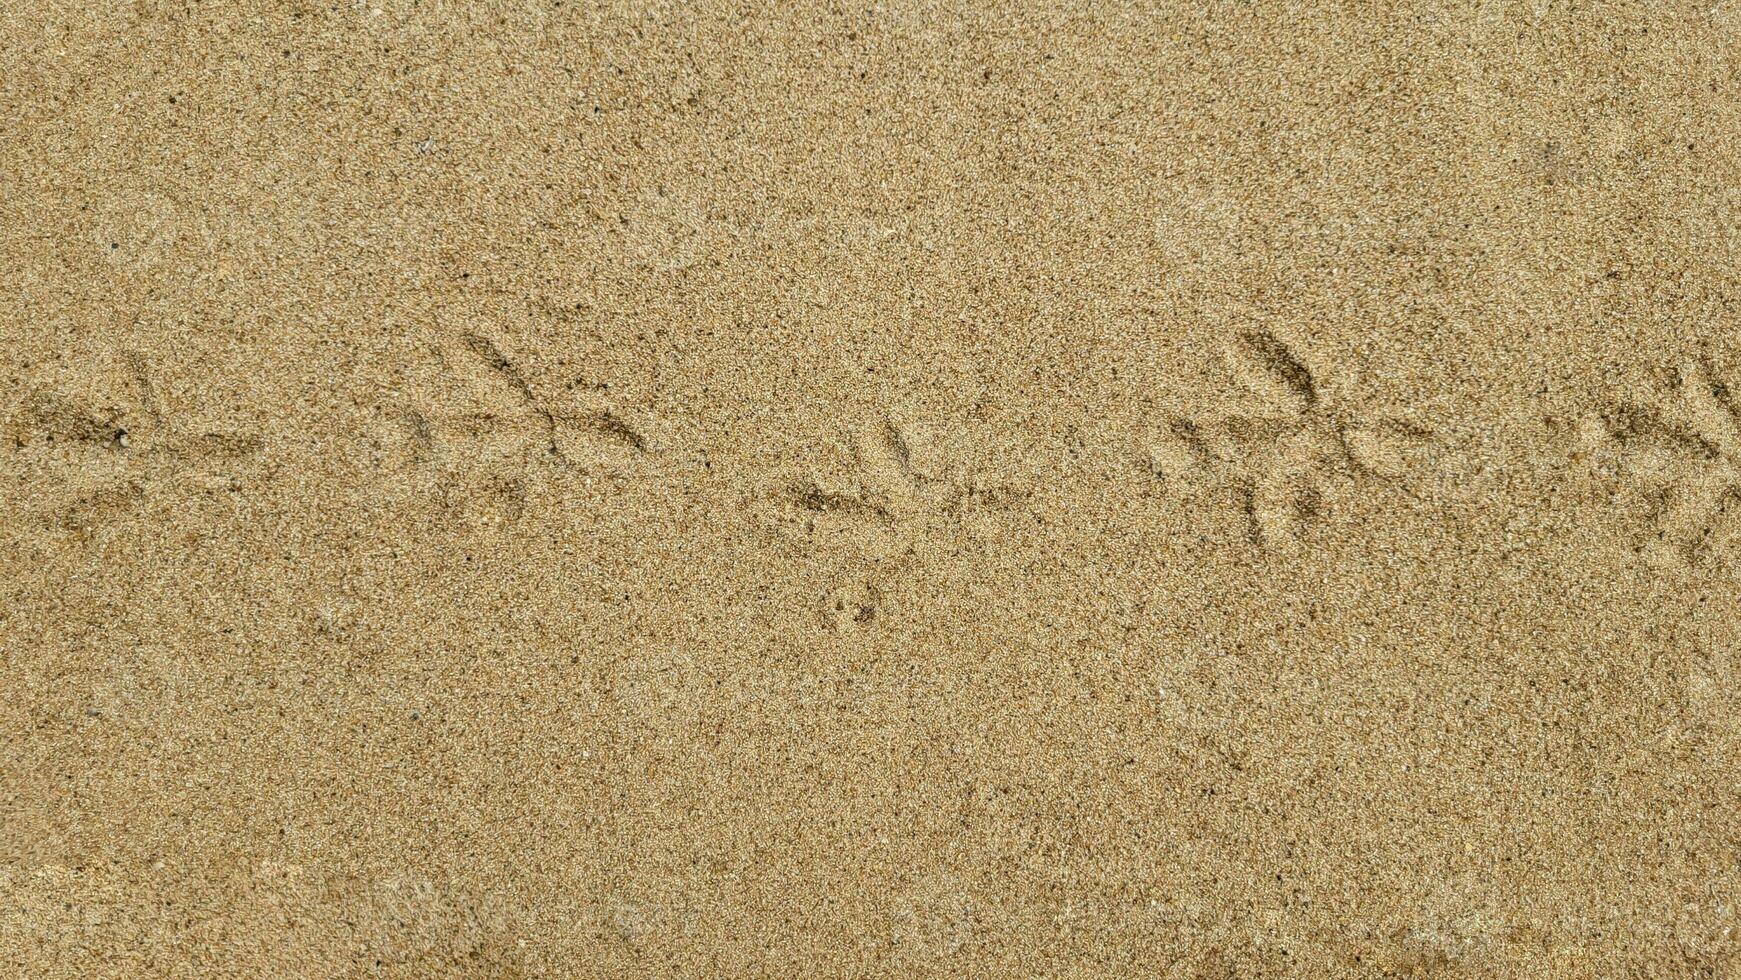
(422, 436)
(147, 392)
(1266, 366)
(607, 424)
(813, 498)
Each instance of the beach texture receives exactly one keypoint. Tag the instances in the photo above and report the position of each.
(552, 489)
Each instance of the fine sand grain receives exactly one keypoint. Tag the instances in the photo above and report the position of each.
(550, 489)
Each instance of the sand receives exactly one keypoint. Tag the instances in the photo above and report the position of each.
(529, 490)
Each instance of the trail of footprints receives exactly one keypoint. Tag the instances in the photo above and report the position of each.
(1286, 459)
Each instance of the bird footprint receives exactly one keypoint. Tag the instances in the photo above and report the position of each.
(97, 444)
(1287, 455)
(1684, 451)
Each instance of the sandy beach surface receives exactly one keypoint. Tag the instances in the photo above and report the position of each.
(554, 489)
